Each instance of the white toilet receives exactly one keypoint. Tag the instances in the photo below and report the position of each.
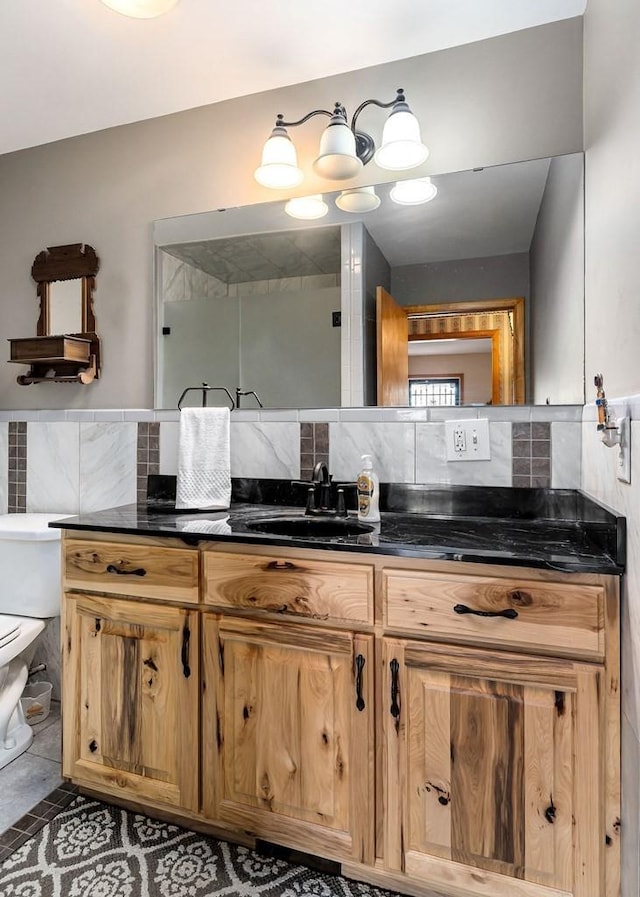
(29, 597)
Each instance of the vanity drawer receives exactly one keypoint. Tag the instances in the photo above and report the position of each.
(541, 616)
(293, 586)
(144, 571)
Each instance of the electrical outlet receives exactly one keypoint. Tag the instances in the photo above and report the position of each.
(467, 440)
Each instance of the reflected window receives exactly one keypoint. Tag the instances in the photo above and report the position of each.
(440, 391)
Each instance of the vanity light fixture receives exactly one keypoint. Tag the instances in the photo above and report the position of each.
(360, 199)
(141, 9)
(344, 150)
(307, 207)
(413, 192)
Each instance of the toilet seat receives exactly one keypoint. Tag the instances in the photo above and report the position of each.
(10, 628)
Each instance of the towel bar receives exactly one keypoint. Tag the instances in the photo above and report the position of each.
(205, 388)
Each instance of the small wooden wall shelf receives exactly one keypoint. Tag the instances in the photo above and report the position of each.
(67, 357)
(62, 359)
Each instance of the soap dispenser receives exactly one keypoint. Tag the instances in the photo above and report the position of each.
(368, 492)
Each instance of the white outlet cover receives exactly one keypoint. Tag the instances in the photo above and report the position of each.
(475, 439)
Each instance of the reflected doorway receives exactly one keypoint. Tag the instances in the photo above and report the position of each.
(501, 321)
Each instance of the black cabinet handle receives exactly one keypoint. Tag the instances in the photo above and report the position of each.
(508, 612)
(360, 662)
(139, 571)
(186, 635)
(280, 565)
(394, 666)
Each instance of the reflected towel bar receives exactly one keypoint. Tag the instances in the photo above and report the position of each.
(205, 388)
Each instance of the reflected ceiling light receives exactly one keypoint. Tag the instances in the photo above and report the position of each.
(343, 149)
(141, 9)
(307, 207)
(360, 199)
(413, 192)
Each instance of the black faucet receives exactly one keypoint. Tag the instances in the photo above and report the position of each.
(322, 479)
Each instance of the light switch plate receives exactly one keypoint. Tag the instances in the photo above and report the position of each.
(624, 450)
(467, 440)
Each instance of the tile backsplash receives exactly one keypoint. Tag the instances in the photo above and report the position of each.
(75, 461)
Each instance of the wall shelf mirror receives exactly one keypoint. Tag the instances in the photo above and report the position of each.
(66, 347)
(237, 288)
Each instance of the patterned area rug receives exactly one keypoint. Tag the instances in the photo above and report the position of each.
(92, 849)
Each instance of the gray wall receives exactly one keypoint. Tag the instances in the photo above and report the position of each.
(612, 334)
(510, 98)
(461, 280)
(556, 309)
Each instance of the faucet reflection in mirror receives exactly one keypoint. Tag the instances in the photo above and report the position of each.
(344, 150)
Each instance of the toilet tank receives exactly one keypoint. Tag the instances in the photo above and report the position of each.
(29, 565)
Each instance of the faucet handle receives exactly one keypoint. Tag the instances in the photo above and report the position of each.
(311, 500)
(341, 505)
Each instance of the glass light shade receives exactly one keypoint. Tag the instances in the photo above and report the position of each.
(413, 192)
(337, 159)
(401, 146)
(360, 199)
(279, 167)
(307, 207)
(141, 9)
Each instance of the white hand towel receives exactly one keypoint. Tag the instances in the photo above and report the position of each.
(204, 465)
(218, 527)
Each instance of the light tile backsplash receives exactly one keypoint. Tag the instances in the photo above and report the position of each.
(265, 449)
(392, 446)
(432, 466)
(53, 467)
(75, 461)
(107, 465)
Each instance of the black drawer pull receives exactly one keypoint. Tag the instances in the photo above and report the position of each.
(508, 612)
(186, 635)
(139, 571)
(281, 565)
(360, 662)
(394, 710)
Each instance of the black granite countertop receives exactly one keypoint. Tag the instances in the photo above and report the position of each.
(554, 529)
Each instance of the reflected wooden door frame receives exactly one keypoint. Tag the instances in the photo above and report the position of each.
(514, 305)
(496, 359)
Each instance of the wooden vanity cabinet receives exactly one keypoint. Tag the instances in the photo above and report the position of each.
(500, 769)
(131, 685)
(426, 724)
(288, 734)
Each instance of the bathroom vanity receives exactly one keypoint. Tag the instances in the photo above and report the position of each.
(432, 705)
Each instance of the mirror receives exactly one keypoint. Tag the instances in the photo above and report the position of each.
(250, 298)
(65, 306)
(66, 347)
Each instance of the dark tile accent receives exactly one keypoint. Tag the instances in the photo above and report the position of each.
(40, 815)
(531, 454)
(148, 456)
(17, 468)
(314, 447)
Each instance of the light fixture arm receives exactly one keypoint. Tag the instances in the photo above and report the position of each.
(400, 98)
(281, 123)
(365, 146)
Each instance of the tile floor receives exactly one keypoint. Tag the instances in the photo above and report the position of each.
(27, 780)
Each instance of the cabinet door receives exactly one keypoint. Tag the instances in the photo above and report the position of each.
(131, 699)
(493, 771)
(288, 734)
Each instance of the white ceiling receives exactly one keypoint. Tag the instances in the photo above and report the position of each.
(69, 67)
(469, 346)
